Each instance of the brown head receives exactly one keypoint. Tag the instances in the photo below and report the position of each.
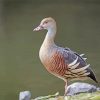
(47, 23)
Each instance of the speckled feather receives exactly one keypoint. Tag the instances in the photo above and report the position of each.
(58, 61)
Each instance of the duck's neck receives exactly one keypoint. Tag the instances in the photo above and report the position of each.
(50, 36)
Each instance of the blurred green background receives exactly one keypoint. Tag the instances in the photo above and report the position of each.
(78, 24)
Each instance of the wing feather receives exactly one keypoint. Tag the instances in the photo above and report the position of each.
(76, 65)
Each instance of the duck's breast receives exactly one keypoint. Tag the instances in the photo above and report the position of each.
(53, 61)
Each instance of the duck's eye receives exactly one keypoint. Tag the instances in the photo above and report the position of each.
(45, 22)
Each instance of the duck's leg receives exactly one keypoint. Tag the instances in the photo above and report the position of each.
(66, 85)
(65, 94)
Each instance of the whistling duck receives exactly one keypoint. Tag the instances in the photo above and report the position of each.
(61, 62)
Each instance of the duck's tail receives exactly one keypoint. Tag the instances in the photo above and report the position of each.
(92, 75)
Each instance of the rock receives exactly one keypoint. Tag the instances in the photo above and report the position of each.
(79, 87)
(98, 89)
(25, 95)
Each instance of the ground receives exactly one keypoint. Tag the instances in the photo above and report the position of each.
(81, 96)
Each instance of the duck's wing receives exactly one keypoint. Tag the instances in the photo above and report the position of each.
(76, 65)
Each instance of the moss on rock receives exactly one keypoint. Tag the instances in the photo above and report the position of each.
(81, 96)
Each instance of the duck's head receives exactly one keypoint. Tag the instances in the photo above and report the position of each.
(47, 23)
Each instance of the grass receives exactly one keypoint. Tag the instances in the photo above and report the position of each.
(81, 96)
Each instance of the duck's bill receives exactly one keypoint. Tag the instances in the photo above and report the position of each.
(38, 28)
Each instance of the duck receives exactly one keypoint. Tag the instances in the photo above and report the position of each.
(62, 62)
